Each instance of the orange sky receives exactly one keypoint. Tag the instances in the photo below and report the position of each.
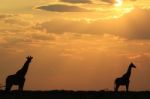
(76, 45)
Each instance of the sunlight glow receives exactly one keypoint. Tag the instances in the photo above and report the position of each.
(118, 2)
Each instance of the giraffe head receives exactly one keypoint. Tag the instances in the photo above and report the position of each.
(132, 65)
(29, 58)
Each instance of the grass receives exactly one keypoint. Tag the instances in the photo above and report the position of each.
(62, 94)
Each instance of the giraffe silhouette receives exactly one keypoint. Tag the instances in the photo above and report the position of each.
(19, 77)
(125, 79)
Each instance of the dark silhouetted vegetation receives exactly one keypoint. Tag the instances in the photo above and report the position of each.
(61, 94)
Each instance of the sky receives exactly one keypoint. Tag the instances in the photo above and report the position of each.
(76, 44)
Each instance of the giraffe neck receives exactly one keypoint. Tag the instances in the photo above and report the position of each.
(22, 72)
(128, 73)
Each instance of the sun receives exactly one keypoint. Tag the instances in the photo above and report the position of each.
(118, 2)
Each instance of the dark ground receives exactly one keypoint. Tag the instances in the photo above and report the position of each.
(56, 94)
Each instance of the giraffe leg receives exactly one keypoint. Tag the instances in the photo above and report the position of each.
(9, 83)
(117, 87)
(21, 85)
(8, 87)
(127, 87)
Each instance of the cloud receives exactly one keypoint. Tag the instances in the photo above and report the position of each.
(134, 25)
(16, 31)
(113, 1)
(16, 20)
(24, 39)
(4, 16)
(62, 8)
(109, 1)
(137, 25)
(77, 1)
